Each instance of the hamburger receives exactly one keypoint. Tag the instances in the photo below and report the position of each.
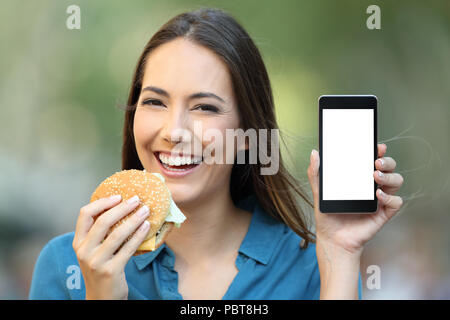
(153, 192)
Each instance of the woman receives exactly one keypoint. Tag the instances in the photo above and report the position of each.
(246, 236)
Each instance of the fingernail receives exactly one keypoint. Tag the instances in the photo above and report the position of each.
(116, 197)
(142, 212)
(133, 200)
(380, 174)
(381, 161)
(381, 193)
(145, 226)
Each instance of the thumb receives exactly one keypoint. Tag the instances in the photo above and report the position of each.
(313, 174)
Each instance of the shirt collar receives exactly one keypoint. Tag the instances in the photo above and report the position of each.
(145, 259)
(259, 243)
(263, 234)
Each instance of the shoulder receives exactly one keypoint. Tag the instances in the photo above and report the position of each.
(298, 266)
(293, 241)
(289, 249)
(62, 241)
(50, 270)
(291, 272)
(272, 241)
(58, 251)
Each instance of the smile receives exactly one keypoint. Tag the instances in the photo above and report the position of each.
(175, 166)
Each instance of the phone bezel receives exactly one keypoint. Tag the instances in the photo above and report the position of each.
(347, 102)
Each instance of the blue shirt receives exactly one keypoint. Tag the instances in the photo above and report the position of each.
(270, 262)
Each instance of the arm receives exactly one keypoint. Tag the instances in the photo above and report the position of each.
(341, 237)
(339, 272)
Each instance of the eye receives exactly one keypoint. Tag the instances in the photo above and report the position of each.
(207, 107)
(153, 102)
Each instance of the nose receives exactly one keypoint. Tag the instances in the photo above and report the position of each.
(175, 128)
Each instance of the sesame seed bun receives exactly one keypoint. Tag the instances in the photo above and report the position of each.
(152, 191)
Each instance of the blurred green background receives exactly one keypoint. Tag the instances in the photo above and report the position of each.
(60, 124)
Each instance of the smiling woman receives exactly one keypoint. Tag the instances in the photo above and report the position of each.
(203, 67)
(245, 236)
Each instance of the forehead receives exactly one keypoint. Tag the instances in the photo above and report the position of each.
(181, 66)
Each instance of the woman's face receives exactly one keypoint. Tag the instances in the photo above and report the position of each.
(169, 103)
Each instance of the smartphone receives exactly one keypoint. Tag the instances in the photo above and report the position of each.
(348, 150)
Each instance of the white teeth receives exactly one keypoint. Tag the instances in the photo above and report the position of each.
(172, 168)
(178, 161)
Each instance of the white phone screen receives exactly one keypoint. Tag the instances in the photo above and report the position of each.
(348, 154)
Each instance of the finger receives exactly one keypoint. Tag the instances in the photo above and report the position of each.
(391, 203)
(390, 180)
(381, 150)
(386, 164)
(122, 232)
(87, 214)
(102, 225)
(313, 174)
(129, 248)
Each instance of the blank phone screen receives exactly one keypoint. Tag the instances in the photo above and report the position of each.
(348, 154)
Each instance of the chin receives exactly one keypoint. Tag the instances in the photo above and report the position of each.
(183, 194)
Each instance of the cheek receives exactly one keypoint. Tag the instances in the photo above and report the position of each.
(144, 129)
(215, 135)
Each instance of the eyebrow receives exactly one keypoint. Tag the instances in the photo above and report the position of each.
(192, 96)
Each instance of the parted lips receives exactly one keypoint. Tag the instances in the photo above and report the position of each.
(151, 191)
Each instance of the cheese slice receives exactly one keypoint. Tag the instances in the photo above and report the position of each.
(148, 244)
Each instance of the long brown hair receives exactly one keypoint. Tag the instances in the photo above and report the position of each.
(221, 33)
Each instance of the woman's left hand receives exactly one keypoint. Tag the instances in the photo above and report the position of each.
(351, 231)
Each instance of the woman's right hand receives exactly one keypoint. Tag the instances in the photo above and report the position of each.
(102, 267)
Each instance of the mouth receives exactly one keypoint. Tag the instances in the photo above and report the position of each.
(177, 164)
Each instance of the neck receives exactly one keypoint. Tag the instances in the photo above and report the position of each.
(211, 229)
